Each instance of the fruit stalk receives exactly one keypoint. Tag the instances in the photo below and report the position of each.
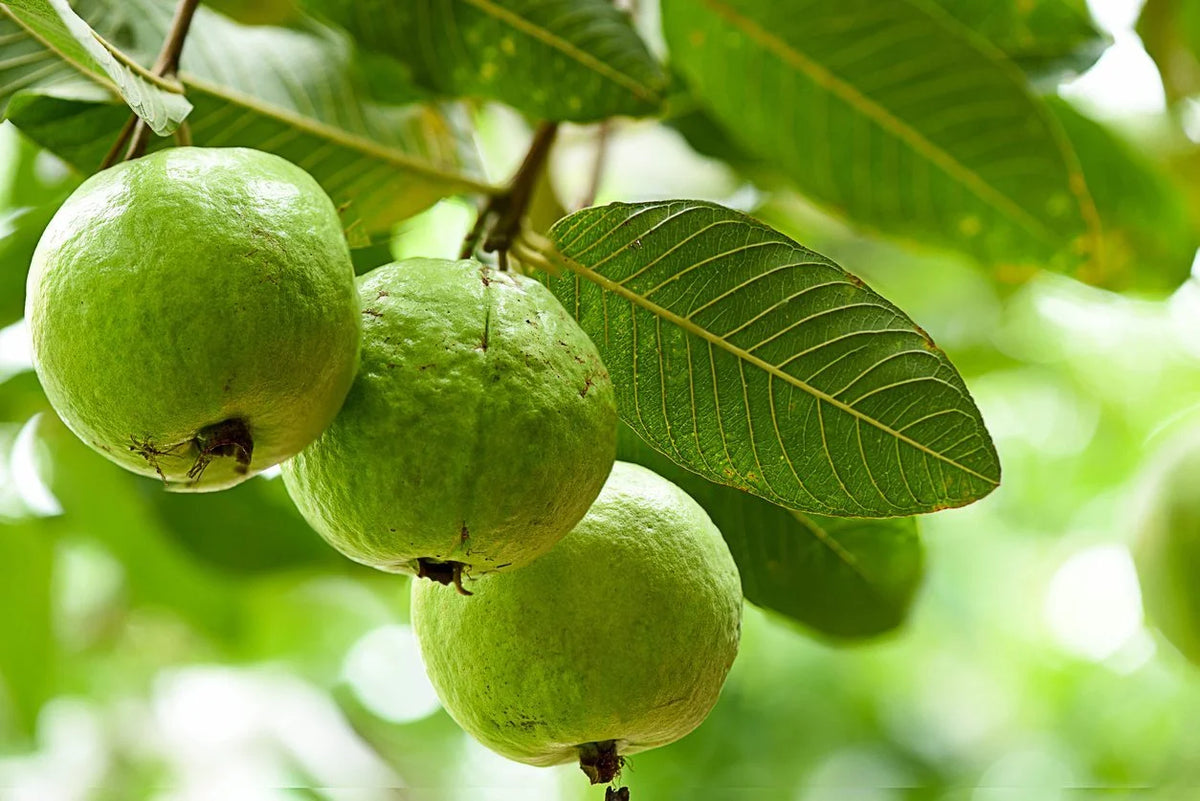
(501, 216)
(166, 65)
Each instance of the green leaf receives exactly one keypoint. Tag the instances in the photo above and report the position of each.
(1150, 240)
(1049, 39)
(845, 578)
(368, 258)
(760, 364)
(25, 62)
(293, 92)
(53, 24)
(250, 529)
(1171, 32)
(893, 117)
(20, 230)
(27, 648)
(578, 60)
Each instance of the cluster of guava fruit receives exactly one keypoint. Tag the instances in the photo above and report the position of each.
(196, 318)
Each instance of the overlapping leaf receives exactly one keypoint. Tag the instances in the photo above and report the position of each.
(1047, 39)
(846, 578)
(576, 60)
(54, 24)
(25, 62)
(762, 365)
(290, 91)
(894, 117)
(1150, 238)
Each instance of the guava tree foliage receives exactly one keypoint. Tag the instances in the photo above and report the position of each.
(812, 417)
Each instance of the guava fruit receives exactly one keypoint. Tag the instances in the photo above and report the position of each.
(1167, 551)
(194, 315)
(616, 641)
(481, 425)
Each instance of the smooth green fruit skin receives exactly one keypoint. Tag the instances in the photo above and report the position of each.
(480, 428)
(190, 287)
(1167, 552)
(625, 631)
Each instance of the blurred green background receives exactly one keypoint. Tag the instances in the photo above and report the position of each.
(171, 647)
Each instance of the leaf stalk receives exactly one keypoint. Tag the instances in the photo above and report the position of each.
(135, 131)
(502, 214)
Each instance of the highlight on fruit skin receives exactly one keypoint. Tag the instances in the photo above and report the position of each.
(193, 314)
(1167, 550)
(480, 427)
(616, 641)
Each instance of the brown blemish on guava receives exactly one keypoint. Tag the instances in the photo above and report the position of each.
(600, 762)
(227, 439)
(588, 385)
(444, 573)
(487, 325)
(373, 312)
(383, 293)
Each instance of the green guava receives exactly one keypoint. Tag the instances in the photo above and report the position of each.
(1167, 552)
(480, 428)
(616, 641)
(194, 315)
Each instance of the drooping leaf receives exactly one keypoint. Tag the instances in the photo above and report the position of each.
(846, 578)
(1049, 39)
(577, 60)
(25, 62)
(1149, 239)
(895, 118)
(762, 365)
(1171, 32)
(54, 25)
(290, 91)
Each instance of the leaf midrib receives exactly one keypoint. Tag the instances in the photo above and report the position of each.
(872, 109)
(102, 80)
(838, 550)
(546, 37)
(336, 135)
(167, 85)
(691, 328)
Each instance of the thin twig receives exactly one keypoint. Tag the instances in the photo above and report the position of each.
(603, 134)
(502, 215)
(168, 58)
(183, 135)
(114, 152)
(136, 132)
